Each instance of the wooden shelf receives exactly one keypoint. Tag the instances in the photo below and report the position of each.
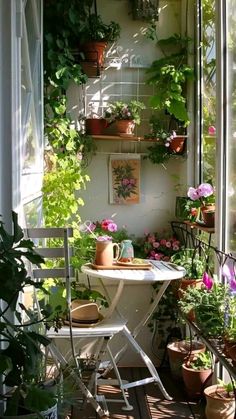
(132, 138)
(210, 230)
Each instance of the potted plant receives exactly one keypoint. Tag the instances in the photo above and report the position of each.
(167, 144)
(169, 75)
(220, 400)
(23, 345)
(125, 115)
(197, 374)
(203, 198)
(182, 350)
(194, 264)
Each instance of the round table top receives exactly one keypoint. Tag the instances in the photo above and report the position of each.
(160, 271)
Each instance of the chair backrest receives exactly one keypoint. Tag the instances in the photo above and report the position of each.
(61, 251)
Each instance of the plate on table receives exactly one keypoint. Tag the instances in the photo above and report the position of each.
(136, 262)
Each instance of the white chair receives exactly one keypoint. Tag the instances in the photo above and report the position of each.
(103, 331)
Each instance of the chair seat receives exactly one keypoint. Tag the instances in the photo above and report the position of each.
(106, 327)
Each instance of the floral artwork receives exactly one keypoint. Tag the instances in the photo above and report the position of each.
(125, 180)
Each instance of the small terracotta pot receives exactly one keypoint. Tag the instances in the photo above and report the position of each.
(95, 126)
(196, 380)
(94, 51)
(208, 215)
(124, 126)
(218, 404)
(180, 351)
(177, 145)
(188, 282)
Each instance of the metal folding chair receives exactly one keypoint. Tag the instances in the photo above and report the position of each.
(103, 331)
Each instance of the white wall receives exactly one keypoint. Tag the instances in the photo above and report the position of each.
(158, 183)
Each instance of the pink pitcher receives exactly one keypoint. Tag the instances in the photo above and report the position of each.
(105, 253)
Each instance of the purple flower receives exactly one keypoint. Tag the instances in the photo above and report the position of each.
(193, 194)
(112, 227)
(207, 281)
(211, 130)
(229, 273)
(232, 284)
(205, 189)
(125, 181)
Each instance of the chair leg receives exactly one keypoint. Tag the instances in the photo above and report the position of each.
(148, 363)
(74, 375)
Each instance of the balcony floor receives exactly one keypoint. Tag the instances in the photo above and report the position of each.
(147, 400)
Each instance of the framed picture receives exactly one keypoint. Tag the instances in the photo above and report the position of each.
(124, 179)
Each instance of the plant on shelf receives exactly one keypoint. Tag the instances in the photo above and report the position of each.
(202, 199)
(23, 343)
(156, 246)
(209, 306)
(94, 29)
(120, 110)
(167, 143)
(169, 76)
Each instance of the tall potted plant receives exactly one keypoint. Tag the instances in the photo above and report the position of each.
(23, 344)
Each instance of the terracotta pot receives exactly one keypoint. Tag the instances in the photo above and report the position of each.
(218, 404)
(104, 255)
(177, 145)
(94, 52)
(95, 126)
(179, 351)
(230, 349)
(124, 126)
(196, 380)
(208, 215)
(188, 282)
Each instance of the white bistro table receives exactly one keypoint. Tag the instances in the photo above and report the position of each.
(161, 272)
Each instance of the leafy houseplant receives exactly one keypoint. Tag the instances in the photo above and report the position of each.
(21, 353)
(126, 115)
(169, 76)
(167, 143)
(202, 197)
(197, 374)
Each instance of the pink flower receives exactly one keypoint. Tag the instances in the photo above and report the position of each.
(158, 256)
(108, 225)
(205, 189)
(163, 242)
(132, 181)
(151, 239)
(112, 227)
(125, 181)
(207, 281)
(193, 194)
(168, 244)
(229, 273)
(175, 246)
(156, 245)
(104, 238)
(211, 130)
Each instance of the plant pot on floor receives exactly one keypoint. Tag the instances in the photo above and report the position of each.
(218, 403)
(180, 351)
(196, 380)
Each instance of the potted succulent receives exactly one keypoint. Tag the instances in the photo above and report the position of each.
(22, 352)
(197, 374)
(220, 400)
(125, 115)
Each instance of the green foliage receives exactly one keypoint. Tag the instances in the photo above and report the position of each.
(229, 387)
(94, 29)
(21, 353)
(125, 111)
(201, 361)
(169, 76)
(191, 261)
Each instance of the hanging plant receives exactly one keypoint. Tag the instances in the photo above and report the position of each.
(145, 9)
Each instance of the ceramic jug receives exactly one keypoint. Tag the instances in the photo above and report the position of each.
(126, 249)
(105, 253)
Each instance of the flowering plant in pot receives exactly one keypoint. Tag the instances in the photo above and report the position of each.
(167, 142)
(127, 112)
(202, 197)
(157, 246)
